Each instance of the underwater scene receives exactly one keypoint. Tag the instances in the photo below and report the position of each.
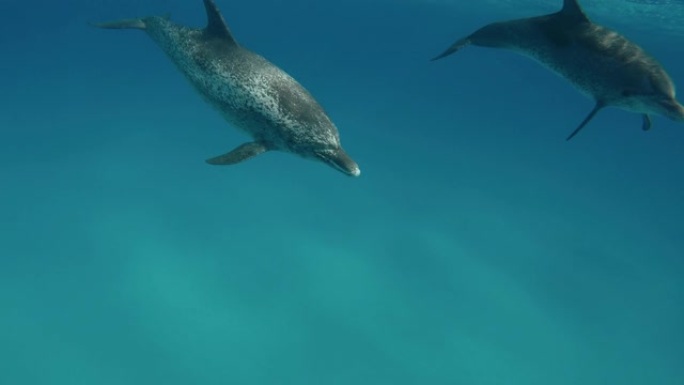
(377, 216)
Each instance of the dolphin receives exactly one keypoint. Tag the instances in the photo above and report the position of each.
(251, 93)
(601, 63)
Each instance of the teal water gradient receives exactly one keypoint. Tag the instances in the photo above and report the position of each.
(477, 247)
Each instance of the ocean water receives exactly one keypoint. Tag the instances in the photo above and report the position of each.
(477, 247)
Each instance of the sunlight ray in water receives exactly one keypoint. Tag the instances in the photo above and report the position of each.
(478, 247)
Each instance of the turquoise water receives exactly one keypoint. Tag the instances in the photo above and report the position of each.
(477, 247)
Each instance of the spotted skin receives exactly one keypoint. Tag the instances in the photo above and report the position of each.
(601, 63)
(251, 93)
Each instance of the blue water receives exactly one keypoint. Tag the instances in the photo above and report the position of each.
(477, 247)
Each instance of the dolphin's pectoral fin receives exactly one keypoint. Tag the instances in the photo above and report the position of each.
(646, 122)
(239, 154)
(122, 24)
(454, 47)
(586, 120)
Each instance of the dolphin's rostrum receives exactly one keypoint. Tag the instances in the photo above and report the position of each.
(250, 92)
(599, 62)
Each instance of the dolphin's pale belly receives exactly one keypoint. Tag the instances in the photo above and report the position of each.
(250, 93)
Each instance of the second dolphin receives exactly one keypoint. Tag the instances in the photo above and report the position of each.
(599, 62)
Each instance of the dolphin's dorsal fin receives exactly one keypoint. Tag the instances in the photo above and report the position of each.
(216, 26)
(572, 10)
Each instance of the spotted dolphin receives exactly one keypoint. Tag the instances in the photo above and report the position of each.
(601, 63)
(251, 93)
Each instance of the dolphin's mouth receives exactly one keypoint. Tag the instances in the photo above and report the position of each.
(348, 169)
(355, 172)
(674, 110)
(339, 160)
(680, 113)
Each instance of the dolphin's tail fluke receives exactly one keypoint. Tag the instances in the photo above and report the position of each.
(122, 24)
(454, 47)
